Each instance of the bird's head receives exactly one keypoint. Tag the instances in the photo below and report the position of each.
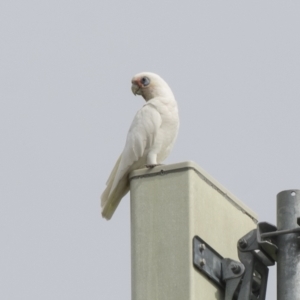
(149, 85)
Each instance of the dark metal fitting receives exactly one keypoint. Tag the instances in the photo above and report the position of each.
(235, 268)
(243, 243)
(202, 247)
(202, 262)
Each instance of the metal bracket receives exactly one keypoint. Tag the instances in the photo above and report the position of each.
(207, 261)
(224, 272)
(257, 250)
(232, 273)
(269, 232)
(256, 253)
(245, 280)
(254, 283)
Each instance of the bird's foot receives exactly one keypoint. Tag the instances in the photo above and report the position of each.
(152, 166)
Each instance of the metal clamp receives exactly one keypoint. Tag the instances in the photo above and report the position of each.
(224, 272)
(256, 262)
(257, 250)
(245, 280)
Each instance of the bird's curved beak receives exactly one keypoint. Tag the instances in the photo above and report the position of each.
(135, 89)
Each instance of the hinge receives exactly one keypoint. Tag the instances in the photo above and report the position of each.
(245, 280)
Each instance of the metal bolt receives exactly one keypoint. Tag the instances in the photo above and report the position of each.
(243, 243)
(235, 268)
(202, 247)
(202, 262)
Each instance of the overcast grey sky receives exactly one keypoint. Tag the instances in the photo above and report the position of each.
(66, 106)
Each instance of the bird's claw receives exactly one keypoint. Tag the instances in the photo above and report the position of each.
(152, 166)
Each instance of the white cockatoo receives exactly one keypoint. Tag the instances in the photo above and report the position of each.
(150, 138)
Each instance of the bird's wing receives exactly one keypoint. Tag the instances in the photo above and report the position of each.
(141, 135)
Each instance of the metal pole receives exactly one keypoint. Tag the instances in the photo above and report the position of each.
(288, 256)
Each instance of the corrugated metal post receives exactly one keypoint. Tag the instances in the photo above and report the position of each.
(170, 205)
(288, 256)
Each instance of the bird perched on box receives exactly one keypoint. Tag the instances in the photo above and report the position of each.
(150, 138)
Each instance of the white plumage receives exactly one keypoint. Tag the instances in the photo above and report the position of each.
(150, 138)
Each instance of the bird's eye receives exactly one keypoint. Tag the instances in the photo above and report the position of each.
(145, 81)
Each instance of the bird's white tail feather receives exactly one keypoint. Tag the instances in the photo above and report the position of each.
(109, 183)
(111, 199)
(113, 172)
